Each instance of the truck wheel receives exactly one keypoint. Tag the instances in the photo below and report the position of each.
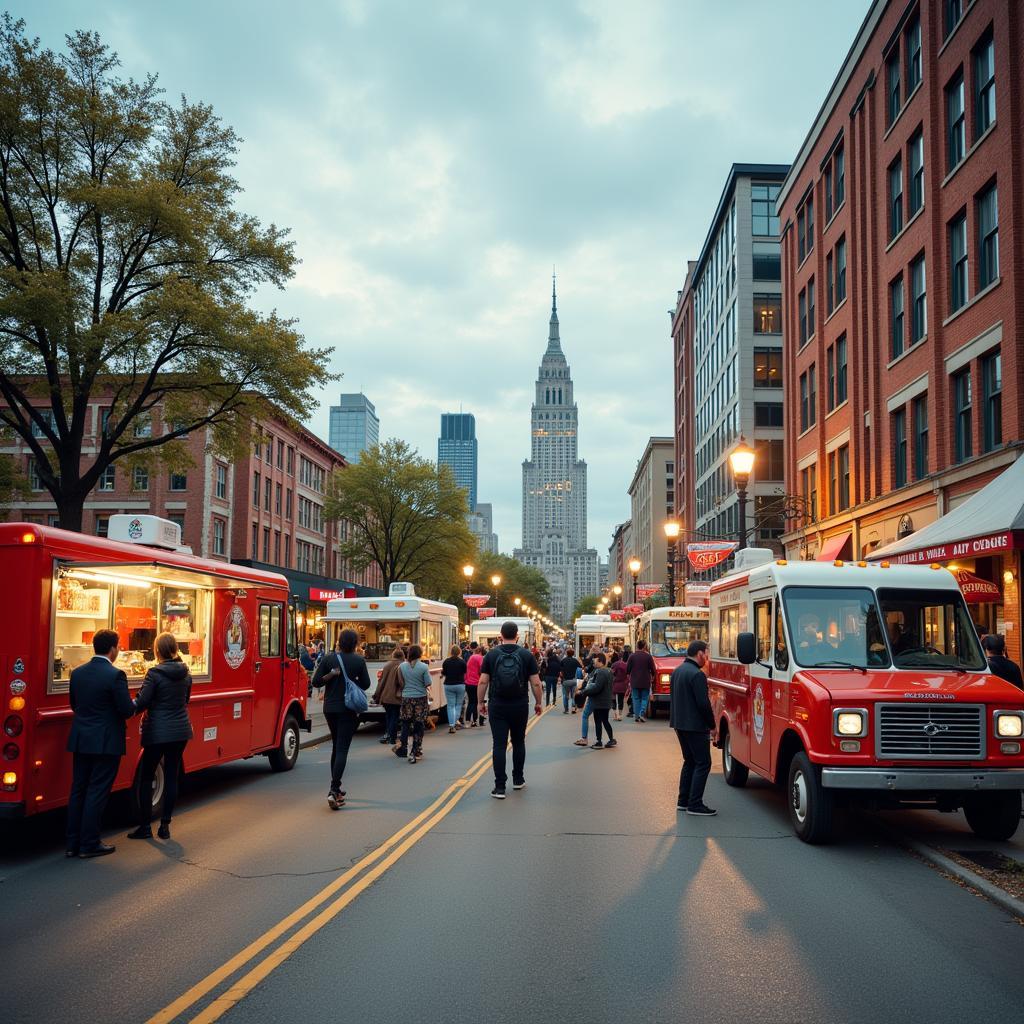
(283, 759)
(993, 815)
(156, 795)
(736, 774)
(810, 804)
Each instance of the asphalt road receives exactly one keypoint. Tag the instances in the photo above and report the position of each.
(585, 897)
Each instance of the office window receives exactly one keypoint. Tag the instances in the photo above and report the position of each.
(958, 262)
(221, 486)
(830, 363)
(840, 270)
(802, 308)
(768, 414)
(767, 267)
(106, 480)
(913, 40)
(280, 454)
(827, 189)
(218, 537)
(767, 314)
(920, 410)
(899, 448)
(841, 390)
(918, 290)
(256, 449)
(769, 460)
(767, 368)
(269, 450)
(178, 482)
(277, 498)
(809, 491)
(801, 235)
(287, 550)
(805, 415)
(984, 85)
(988, 237)
(140, 478)
(762, 207)
(810, 223)
(844, 477)
(840, 177)
(992, 393)
(288, 503)
(833, 497)
(267, 485)
(956, 122)
(953, 11)
(895, 197)
(830, 284)
(291, 461)
(102, 526)
(277, 547)
(892, 79)
(143, 426)
(810, 308)
(962, 415)
(896, 316)
(255, 542)
(915, 163)
(266, 543)
(255, 490)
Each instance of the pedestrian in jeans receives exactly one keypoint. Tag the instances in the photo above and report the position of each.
(642, 670)
(568, 669)
(166, 730)
(692, 718)
(600, 696)
(331, 673)
(415, 704)
(620, 683)
(453, 674)
(389, 695)
(476, 660)
(587, 709)
(509, 673)
(552, 670)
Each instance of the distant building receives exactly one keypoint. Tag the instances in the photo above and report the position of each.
(602, 576)
(652, 501)
(354, 426)
(457, 449)
(481, 525)
(620, 552)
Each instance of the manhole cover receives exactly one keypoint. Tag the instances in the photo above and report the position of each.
(988, 859)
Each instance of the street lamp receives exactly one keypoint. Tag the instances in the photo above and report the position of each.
(496, 582)
(467, 571)
(635, 565)
(672, 535)
(617, 591)
(742, 462)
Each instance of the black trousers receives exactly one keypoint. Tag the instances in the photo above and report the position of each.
(343, 727)
(91, 779)
(171, 754)
(550, 689)
(696, 748)
(471, 706)
(508, 721)
(601, 721)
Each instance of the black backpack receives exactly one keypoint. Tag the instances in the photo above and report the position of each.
(508, 680)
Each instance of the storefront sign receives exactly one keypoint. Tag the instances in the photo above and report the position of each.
(697, 594)
(646, 590)
(319, 594)
(486, 613)
(978, 546)
(707, 554)
(475, 600)
(975, 589)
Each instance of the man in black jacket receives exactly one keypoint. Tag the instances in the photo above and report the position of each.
(101, 705)
(693, 720)
(998, 663)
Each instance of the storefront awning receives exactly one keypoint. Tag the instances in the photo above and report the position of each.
(975, 589)
(988, 522)
(833, 547)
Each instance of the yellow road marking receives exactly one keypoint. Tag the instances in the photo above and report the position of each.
(399, 843)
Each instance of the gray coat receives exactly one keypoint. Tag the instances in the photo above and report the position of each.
(691, 707)
(599, 688)
(164, 697)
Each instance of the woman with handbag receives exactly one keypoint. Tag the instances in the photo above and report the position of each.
(415, 704)
(600, 697)
(337, 672)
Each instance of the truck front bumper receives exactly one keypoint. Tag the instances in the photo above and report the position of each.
(928, 780)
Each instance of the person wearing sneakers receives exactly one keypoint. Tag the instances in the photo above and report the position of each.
(415, 704)
(476, 660)
(509, 673)
(599, 692)
(568, 670)
(620, 686)
(642, 672)
(692, 718)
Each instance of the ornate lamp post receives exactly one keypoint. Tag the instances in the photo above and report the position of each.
(672, 535)
(635, 565)
(742, 462)
(496, 582)
(467, 571)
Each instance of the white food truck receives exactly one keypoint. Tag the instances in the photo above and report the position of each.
(600, 630)
(484, 630)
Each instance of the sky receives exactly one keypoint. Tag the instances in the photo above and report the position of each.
(434, 159)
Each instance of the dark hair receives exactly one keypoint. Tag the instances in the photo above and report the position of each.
(695, 648)
(509, 631)
(473, 645)
(641, 644)
(348, 641)
(104, 641)
(994, 643)
(600, 657)
(398, 654)
(415, 652)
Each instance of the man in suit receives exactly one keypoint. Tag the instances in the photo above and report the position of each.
(692, 718)
(101, 705)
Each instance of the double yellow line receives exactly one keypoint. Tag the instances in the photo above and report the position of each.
(379, 861)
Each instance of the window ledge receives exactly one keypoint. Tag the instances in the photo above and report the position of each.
(906, 227)
(807, 256)
(906, 103)
(972, 300)
(907, 351)
(836, 310)
(805, 344)
(835, 213)
(842, 405)
(956, 27)
(804, 433)
(970, 152)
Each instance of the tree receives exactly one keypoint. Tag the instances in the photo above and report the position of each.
(407, 516)
(126, 271)
(517, 580)
(584, 606)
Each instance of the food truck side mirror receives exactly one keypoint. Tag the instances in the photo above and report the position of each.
(746, 648)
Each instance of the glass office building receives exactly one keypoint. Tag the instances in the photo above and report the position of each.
(354, 426)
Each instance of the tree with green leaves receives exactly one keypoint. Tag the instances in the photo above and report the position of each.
(126, 272)
(406, 515)
(517, 580)
(584, 606)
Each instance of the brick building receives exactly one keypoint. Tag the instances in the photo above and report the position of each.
(902, 275)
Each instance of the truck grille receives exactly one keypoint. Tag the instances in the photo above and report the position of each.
(930, 732)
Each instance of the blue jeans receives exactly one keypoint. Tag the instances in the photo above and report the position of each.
(391, 721)
(568, 689)
(641, 698)
(550, 689)
(587, 709)
(456, 695)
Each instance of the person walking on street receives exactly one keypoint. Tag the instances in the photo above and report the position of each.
(415, 704)
(998, 663)
(692, 718)
(453, 674)
(332, 673)
(476, 660)
(568, 669)
(584, 703)
(642, 673)
(552, 669)
(620, 683)
(599, 693)
(166, 730)
(389, 695)
(469, 651)
(509, 673)
(100, 706)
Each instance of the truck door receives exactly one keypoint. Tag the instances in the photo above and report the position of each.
(268, 674)
(761, 683)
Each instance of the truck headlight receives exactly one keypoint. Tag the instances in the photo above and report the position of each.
(850, 722)
(1009, 724)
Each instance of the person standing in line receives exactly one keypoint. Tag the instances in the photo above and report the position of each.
(642, 673)
(468, 651)
(599, 694)
(998, 663)
(472, 685)
(166, 730)
(552, 669)
(389, 695)
(415, 704)
(620, 684)
(568, 669)
(585, 705)
(509, 673)
(331, 674)
(693, 719)
(453, 674)
(100, 706)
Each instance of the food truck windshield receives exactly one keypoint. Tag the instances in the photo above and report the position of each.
(671, 637)
(379, 639)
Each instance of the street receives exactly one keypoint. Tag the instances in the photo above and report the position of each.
(584, 897)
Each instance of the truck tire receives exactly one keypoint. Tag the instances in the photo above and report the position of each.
(736, 774)
(810, 804)
(156, 796)
(993, 815)
(287, 753)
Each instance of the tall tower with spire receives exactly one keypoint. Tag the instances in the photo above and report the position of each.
(555, 484)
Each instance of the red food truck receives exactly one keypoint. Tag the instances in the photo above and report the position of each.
(857, 682)
(234, 626)
(667, 633)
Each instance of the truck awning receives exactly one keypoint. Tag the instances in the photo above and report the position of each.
(833, 547)
(157, 571)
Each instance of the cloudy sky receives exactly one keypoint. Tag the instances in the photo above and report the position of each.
(435, 158)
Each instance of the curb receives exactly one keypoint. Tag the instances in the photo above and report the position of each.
(314, 740)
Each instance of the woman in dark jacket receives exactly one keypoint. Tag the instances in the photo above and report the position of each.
(340, 720)
(551, 667)
(599, 690)
(389, 694)
(620, 686)
(166, 730)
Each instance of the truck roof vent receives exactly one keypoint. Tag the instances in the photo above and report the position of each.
(748, 558)
(402, 590)
(152, 531)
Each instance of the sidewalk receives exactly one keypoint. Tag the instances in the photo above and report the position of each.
(320, 732)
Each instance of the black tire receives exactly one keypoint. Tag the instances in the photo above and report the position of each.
(810, 804)
(993, 815)
(736, 773)
(287, 753)
(156, 800)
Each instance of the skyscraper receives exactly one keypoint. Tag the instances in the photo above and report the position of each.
(456, 447)
(354, 426)
(555, 485)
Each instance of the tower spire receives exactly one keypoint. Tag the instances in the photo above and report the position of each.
(554, 342)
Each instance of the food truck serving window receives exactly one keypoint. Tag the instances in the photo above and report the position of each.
(137, 608)
(835, 626)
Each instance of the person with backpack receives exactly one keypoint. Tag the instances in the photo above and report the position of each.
(334, 672)
(552, 670)
(599, 693)
(568, 670)
(415, 704)
(509, 673)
